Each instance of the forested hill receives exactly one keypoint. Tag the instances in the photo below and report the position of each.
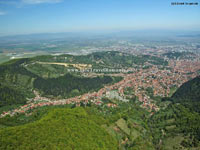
(10, 96)
(189, 91)
(178, 125)
(17, 82)
(63, 129)
(50, 76)
(104, 59)
(71, 85)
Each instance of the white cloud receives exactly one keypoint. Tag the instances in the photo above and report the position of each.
(2, 13)
(40, 1)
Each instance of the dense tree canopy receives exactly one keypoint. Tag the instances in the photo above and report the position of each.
(189, 91)
(70, 85)
(9, 96)
(60, 129)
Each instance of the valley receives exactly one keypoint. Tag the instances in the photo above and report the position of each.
(99, 75)
(113, 93)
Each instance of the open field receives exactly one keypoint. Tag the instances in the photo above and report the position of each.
(79, 66)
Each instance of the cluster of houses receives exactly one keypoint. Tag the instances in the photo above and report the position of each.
(159, 80)
(185, 66)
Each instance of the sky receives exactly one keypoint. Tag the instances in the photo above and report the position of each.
(42, 16)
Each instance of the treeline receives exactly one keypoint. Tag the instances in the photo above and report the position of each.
(70, 85)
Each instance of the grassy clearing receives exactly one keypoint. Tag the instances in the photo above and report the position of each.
(121, 123)
(173, 143)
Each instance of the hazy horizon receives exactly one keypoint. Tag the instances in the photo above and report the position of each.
(57, 16)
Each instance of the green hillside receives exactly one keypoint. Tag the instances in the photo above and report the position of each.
(71, 85)
(189, 95)
(125, 127)
(178, 126)
(22, 76)
(60, 129)
(25, 75)
(104, 59)
(18, 82)
(189, 91)
(9, 96)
